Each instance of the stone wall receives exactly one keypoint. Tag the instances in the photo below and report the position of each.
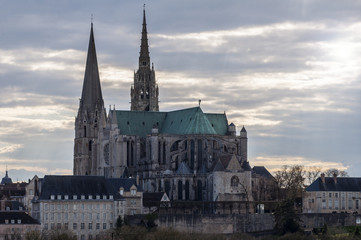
(217, 223)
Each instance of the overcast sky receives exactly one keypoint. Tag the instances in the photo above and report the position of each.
(289, 71)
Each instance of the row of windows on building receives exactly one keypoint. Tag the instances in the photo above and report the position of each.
(77, 216)
(76, 226)
(75, 207)
(12, 221)
(82, 197)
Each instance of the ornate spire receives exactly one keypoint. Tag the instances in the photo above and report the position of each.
(91, 96)
(144, 59)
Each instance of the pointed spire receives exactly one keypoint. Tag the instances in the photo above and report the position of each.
(144, 59)
(91, 96)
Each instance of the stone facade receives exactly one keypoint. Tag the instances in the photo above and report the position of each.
(333, 195)
(176, 152)
(85, 205)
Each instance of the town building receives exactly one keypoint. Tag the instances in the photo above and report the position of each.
(132, 193)
(333, 195)
(15, 225)
(85, 205)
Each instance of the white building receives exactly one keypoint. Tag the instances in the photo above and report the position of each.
(86, 205)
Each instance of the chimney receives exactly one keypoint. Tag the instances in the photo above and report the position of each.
(323, 178)
(335, 178)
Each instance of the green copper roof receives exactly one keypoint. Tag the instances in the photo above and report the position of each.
(184, 121)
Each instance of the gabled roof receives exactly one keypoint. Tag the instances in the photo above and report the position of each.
(187, 121)
(76, 185)
(125, 183)
(15, 215)
(182, 122)
(343, 184)
(226, 162)
(183, 169)
(261, 170)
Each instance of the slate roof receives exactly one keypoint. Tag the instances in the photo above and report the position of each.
(261, 170)
(183, 169)
(6, 179)
(14, 215)
(126, 183)
(344, 184)
(184, 121)
(76, 185)
(14, 205)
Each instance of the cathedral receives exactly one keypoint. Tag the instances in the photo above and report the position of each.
(186, 153)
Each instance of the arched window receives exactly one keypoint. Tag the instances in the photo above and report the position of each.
(234, 181)
(187, 190)
(141, 93)
(180, 190)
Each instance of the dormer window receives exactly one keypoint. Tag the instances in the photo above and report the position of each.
(66, 197)
(121, 191)
(104, 196)
(75, 197)
(133, 192)
(52, 197)
(110, 196)
(90, 197)
(82, 197)
(19, 221)
(98, 197)
(59, 197)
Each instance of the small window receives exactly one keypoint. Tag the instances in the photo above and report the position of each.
(90, 197)
(74, 197)
(133, 192)
(66, 197)
(59, 197)
(110, 196)
(98, 197)
(104, 196)
(52, 197)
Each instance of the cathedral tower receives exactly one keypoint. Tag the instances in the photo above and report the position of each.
(91, 116)
(144, 92)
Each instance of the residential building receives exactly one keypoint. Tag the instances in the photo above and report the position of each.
(86, 205)
(15, 225)
(333, 195)
(132, 193)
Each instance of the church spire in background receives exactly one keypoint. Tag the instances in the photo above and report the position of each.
(144, 59)
(144, 92)
(91, 96)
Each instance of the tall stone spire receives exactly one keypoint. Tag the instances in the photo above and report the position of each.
(144, 93)
(91, 116)
(144, 59)
(91, 96)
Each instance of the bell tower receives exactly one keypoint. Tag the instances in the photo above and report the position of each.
(91, 116)
(144, 92)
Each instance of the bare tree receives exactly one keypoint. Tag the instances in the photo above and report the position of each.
(291, 180)
(333, 171)
(312, 173)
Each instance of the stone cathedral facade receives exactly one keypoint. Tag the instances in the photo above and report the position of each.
(187, 153)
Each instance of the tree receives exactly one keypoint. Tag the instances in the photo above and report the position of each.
(119, 222)
(291, 179)
(34, 235)
(286, 217)
(312, 173)
(333, 171)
